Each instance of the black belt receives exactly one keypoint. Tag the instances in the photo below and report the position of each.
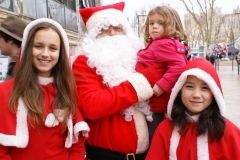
(97, 153)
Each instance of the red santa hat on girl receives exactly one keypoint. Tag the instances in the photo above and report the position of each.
(204, 70)
(103, 16)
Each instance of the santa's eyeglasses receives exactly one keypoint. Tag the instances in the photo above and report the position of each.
(112, 30)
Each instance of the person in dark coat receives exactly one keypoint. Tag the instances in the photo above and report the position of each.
(212, 58)
(207, 57)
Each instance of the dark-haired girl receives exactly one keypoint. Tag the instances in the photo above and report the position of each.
(196, 128)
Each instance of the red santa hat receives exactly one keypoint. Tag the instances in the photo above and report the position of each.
(204, 70)
(97, 16)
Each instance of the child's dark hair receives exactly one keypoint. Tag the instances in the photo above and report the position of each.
(209, 120)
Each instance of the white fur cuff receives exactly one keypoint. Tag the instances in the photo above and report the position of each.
(141, 85)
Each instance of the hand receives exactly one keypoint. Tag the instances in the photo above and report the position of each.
(154, 73)
(158, 91)
(159, 104)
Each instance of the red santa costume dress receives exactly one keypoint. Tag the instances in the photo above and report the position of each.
(21, 141)
(169, 144)
(108, 88)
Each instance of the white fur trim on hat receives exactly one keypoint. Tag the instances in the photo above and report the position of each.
(206, 78)
(103, 15)
(41, 20)
(114, 19)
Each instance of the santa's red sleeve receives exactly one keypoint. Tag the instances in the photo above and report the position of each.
(95, 98)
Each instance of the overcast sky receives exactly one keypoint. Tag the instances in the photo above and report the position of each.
(132, 6)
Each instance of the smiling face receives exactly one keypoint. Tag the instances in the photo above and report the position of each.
(156, 27)
(196, 95)
(45, 51)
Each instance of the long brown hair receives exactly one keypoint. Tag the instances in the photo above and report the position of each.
(210, 119)
(172, 23)
(27, 87)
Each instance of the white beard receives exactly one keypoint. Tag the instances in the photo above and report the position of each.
(114, 57)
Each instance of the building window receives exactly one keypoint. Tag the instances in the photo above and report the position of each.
(86, 3)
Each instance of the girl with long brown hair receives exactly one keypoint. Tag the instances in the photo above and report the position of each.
(39, 114)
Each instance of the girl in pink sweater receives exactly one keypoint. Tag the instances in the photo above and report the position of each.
(163, 32)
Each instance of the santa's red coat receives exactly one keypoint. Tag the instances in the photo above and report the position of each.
(101, 108)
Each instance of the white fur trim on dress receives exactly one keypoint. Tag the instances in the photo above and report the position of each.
(45, 80)
(73, 132)
(174, 141)
(141, 85)
(206, 78)
(202, 145)
(51, 120)
(22, 136)
(54, 118)
(41, 20)
(80, 127)
(69, 139)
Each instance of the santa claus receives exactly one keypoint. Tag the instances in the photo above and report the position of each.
(109, 87)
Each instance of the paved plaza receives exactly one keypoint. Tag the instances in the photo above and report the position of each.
(228, 73)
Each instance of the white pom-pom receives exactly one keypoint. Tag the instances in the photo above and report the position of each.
(51, 121)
